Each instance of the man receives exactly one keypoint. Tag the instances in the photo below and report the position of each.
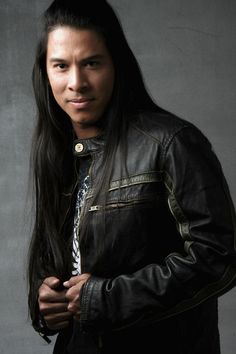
(134, 236)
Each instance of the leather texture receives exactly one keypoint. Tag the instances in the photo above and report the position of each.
(169, 249)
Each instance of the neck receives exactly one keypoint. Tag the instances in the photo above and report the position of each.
(86, 132)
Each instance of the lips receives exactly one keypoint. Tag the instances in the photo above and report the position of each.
(81, 103)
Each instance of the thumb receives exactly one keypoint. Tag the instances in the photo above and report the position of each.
(72, 281)
(52, 282)
(82, 278)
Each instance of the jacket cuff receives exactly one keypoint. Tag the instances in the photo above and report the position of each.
(90, 317)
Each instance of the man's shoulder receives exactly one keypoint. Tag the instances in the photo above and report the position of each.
(161, 126)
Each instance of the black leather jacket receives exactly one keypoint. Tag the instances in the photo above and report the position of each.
(170, 245)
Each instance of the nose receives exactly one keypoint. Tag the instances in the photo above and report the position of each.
(77, 80)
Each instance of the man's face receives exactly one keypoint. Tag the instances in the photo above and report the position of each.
(81, 75)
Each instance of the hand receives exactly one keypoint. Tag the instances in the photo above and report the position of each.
(74, 285)
(53, 304)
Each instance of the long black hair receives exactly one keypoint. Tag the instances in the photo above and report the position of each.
(53, 137)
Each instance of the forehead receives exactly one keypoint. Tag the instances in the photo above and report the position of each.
(65, 39)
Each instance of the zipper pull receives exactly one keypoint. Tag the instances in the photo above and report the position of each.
(95, 208)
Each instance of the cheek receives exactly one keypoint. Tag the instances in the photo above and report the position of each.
(57, 84)
(57, 92)
(107, 85)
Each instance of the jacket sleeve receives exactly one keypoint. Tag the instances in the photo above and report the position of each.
(199, 200)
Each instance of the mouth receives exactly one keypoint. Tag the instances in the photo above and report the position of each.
(81, 103)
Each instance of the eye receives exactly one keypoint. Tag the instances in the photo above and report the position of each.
(93, 64)
(61, 66)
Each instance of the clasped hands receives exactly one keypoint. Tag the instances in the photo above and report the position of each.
(57, 304)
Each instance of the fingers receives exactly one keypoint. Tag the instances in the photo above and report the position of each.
(75, 280)
(74, 307)
(47, 294)
(73, 295)
(58, 320)
(74, 285)
(49, 308)
(73, 292)
(59, 306)
(53, 304)
(52, 282)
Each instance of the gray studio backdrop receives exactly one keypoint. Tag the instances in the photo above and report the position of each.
(187, 50)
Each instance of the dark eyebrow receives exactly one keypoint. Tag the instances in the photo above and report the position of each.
(92, 57)
(57, 60)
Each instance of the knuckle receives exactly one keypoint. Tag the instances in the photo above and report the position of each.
(42, 294)
(72, 307)
(42, 308)
(69, 295)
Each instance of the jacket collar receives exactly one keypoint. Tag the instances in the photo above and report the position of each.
(84, 147)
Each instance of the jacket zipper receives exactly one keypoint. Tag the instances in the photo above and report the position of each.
(115, 205)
